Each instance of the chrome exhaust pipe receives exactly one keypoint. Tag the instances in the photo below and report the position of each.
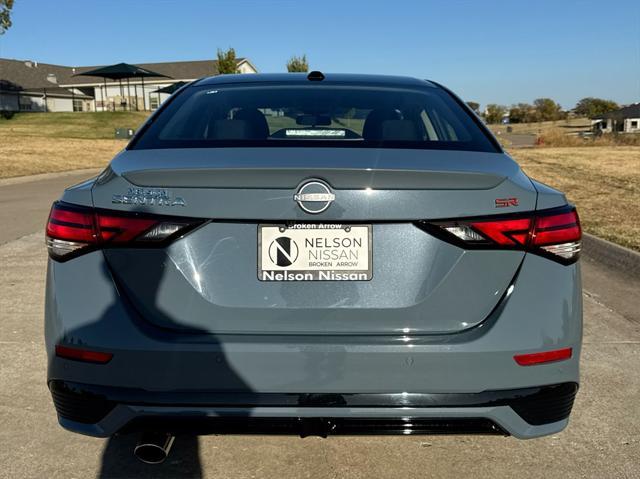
(153, 447)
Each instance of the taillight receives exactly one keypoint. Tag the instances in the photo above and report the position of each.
(73, 230)
(508, 232)
(554, 233)
(558, 234)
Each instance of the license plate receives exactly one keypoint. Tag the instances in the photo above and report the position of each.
(314, 252)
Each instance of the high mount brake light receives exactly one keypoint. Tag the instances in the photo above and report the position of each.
(554, 233)
(73, 230)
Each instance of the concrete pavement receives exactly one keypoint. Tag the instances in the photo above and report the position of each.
(25, 202)
(520, 140)
(602, 440)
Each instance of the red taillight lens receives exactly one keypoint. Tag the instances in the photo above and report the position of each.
(85, 355)
(121, 229)
(554, 233)
(505, 232)
(543, 357)
(555, 229)
(71, 225)
(72, 230)
(558, 235)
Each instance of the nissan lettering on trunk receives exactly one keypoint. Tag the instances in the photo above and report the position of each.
(314, 252)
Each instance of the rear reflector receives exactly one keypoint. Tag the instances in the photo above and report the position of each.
(553, 233)
(72, 230)
(532, 359)
(85, 355)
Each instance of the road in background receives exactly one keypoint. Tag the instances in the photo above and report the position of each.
(25, 202)
(519, 140)
(602, 440)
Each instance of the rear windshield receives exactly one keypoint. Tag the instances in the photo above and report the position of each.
(314, 115)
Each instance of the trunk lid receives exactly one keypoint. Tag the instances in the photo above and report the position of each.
(207, 281)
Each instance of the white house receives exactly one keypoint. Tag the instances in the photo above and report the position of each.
(32, 86)
(29, 86)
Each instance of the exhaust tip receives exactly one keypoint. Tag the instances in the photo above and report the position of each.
(153, 448)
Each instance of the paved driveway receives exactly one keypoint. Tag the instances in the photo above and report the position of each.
(520, 140)
(24, 205)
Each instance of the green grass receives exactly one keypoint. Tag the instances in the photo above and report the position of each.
(88, 125)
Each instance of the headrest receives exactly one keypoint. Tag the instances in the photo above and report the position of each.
(228, 130)
(399, 130)
(372, 129)
(258, 127)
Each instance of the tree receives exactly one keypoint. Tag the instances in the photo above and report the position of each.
(298, 64)
(494, 113)
(547, 110)
(475, 106)
(592, 107)
(522, 113)
(5, 15)
(227, 62)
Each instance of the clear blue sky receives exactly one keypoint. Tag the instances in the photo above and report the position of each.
(488, 51)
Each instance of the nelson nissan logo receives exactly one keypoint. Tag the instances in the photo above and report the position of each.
(283, 251)
(314, 197)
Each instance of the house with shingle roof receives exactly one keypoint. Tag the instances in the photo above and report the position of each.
(624, 120)
(27, 85)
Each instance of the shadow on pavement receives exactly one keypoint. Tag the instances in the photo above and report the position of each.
(118, 460)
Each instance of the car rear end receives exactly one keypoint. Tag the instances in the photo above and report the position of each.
(347, 255)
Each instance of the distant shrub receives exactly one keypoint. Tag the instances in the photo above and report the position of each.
(7, 114)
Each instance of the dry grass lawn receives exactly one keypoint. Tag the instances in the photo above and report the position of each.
(87, 125)
(604, 183)
(21, 156)
(571, 125)
(32, 143)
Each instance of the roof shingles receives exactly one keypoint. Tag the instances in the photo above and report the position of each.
(30, 75)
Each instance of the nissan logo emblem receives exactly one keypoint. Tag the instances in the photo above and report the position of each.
(314, 197)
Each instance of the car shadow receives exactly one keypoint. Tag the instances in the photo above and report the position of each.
(118, 460)
(103, 315)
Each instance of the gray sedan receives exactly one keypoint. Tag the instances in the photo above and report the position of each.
(314, 255)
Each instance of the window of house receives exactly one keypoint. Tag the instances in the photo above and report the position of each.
(77, 105)
(153, 102)
(634, 124)
(25, 103)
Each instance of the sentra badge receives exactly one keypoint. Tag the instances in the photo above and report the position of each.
(148, 197)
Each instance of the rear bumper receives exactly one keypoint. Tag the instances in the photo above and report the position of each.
(449, 373)
(103, 411)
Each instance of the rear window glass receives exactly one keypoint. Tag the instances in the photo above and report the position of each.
(314, 115)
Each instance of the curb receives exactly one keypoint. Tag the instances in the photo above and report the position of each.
(611, 255)
(15, 180)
